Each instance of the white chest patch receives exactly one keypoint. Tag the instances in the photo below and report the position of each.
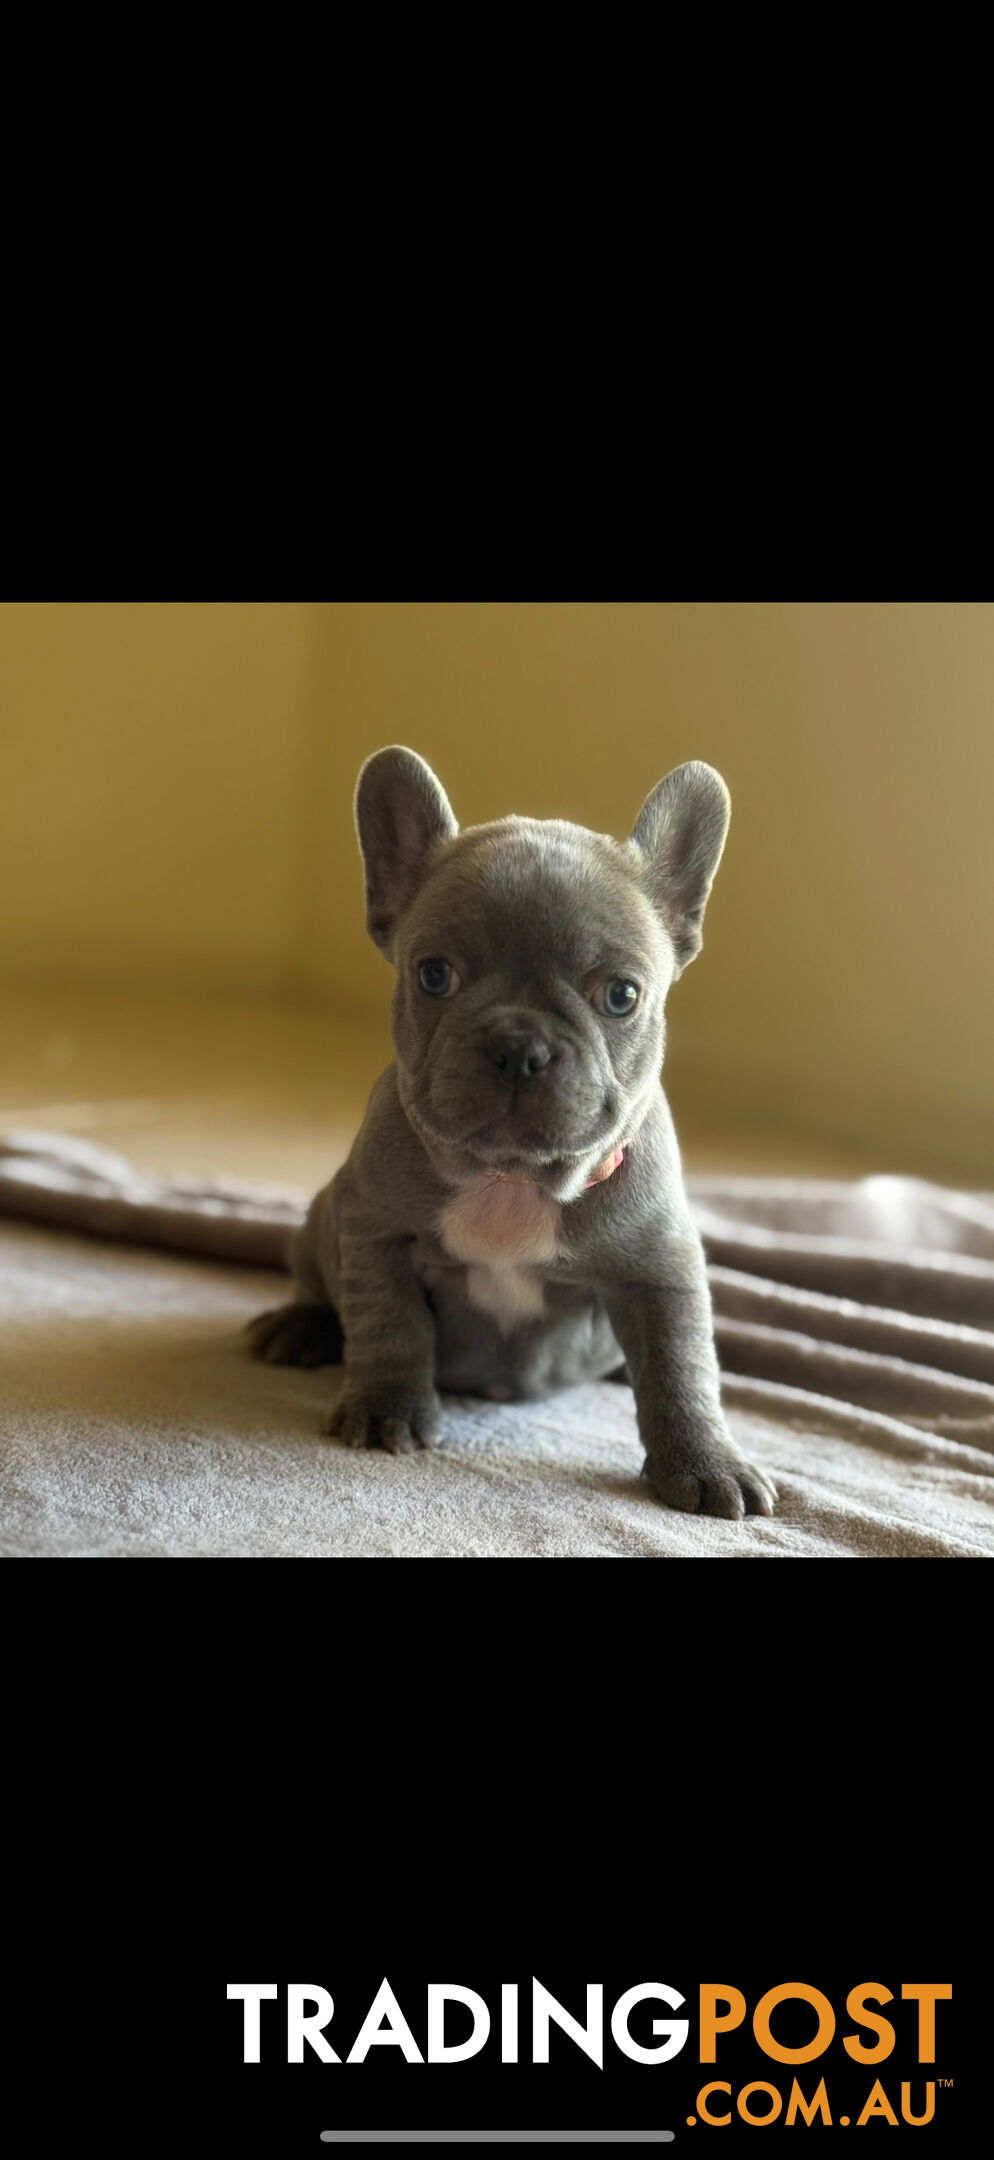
(503, 1232)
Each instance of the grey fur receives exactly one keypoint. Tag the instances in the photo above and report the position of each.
(443, 1276)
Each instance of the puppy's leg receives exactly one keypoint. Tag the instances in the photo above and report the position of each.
(389, 1399)
(308, 1332)
(665, 1329)
(297, 1335)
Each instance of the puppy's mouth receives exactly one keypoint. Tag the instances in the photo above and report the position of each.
(517, 1123)
(520, 1137)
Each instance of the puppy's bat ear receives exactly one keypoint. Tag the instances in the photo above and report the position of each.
(401, 813)
(679, 835)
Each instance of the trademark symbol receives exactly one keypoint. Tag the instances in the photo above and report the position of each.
(944, 2081)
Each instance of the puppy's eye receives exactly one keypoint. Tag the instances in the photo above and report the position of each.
(438, 978)
(616, 997)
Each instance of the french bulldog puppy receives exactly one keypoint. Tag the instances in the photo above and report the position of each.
(512, 1217)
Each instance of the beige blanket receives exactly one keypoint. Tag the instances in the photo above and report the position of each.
(855, 1326)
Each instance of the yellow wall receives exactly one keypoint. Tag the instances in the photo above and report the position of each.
(151, 780)
(176, 802)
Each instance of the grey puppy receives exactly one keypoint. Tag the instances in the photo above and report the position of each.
(512, 1217)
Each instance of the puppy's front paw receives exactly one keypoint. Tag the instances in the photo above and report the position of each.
(399, 1419)
(701, 1472)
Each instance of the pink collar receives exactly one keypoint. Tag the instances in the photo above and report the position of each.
(604, 1170)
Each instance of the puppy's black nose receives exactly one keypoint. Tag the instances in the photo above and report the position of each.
(518, 1053)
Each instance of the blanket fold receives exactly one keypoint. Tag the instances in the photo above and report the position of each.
(854, 1324)
(875, 1296)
